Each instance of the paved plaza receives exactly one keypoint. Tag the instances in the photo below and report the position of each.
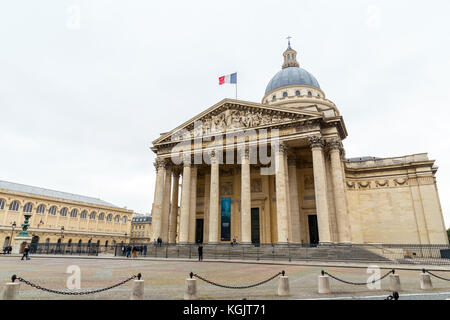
(166, 279)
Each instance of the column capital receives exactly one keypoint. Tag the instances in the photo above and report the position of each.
(281, 148)
(245, 153)
(187, 160)
(213, 155)
(316, 142)
(335, 145)
(160, 164)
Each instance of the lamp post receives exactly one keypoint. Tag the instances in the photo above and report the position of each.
(62, 233)
(126, 237)
(13, 226)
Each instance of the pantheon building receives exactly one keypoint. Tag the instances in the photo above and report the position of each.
(276, 172)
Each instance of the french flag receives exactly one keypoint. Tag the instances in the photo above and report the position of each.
(231, 78)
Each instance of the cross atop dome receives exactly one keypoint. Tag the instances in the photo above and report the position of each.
(290, 56)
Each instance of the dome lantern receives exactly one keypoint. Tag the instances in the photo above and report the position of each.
(290, 56)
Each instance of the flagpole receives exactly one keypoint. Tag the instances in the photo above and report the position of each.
(236, 85)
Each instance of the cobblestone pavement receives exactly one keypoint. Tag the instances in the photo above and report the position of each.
(166, 279)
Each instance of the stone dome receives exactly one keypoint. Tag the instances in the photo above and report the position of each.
(291, 76)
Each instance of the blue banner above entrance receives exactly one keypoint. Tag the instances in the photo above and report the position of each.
(225, 218)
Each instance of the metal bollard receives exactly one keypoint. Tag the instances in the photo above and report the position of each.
(425, 281)
(11, 291)
(137, 291)
(394, 282)
(283, 285)
(190, 292)
(324, 284)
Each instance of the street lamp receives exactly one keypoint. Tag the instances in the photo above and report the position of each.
(13, 226)
(126, 237)
(62, 233)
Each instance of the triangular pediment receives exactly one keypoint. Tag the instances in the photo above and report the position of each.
(234, 115)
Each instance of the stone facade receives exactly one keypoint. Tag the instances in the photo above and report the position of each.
(82, 221)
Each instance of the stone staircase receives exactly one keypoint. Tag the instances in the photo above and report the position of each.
(267, 252)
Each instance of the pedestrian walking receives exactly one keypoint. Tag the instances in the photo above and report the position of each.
(26, 252)
(128, 251)
(200, 252)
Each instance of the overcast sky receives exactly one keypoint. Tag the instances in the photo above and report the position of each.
(85, 86)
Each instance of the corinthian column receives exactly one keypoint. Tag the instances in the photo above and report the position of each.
(193, 205)
(293, 197)
(281, 193)
(174, 206)
(214, 201)
(246, 226)
(160, 165)
(166, 205)
(320, 188)
(339, 191)
(185, 203)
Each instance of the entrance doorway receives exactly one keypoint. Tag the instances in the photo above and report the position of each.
(34, 243)
(199, 231)
(313, 230)
(255, 226)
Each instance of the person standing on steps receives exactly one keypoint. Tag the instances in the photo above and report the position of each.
(200, 252)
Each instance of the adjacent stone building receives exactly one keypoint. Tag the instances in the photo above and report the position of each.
(276, 172)
(141, 228)
(60, 217)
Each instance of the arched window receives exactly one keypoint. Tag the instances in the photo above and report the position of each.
(117, 219)
(14, 206)
(80, 242)
(73, 213)
(59, 241)
(6, 242)
(2, 204)
(98, 242)
(47, 241)
(106, 243)
(109, 217)
(124, 219)
(274, 97)
(28, 207)
(40, 209)
(92, 216)
(69, 243)
(285, 94)
(89, 242)
(63, 212)
(297, 93)
(309, 94)
(83, 214)
(52, 211)
(101, 216)
(289, 56)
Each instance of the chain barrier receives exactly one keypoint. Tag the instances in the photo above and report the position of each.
(236, 287)
(74, 293)
(358, 283)
(435, 275)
